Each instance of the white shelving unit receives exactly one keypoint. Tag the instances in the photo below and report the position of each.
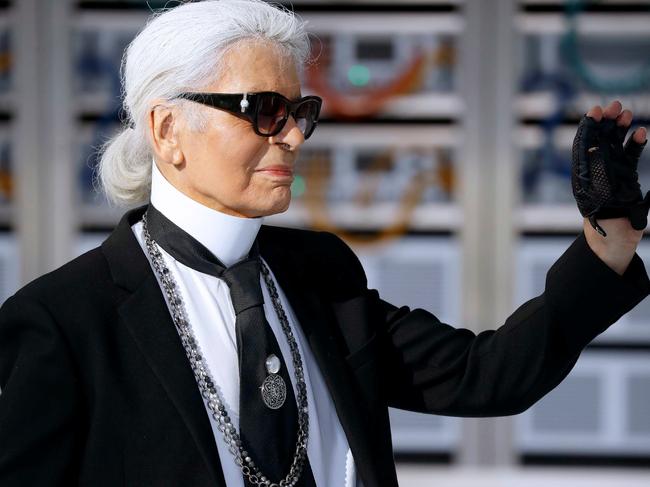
(473, 268)
(596, 414)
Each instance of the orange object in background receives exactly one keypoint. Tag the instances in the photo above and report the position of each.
(6, 184)
(372, 100)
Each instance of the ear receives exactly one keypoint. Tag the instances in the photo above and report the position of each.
(164, 126)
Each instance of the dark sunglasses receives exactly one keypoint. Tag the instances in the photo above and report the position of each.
(267, 110)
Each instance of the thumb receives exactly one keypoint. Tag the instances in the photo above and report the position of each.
(634, 146)
(639, 213)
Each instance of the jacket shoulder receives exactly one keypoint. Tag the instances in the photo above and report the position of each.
(325, 254)
(323, 244)
(78, 279)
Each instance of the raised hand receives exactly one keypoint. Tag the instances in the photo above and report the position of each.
(604, 169)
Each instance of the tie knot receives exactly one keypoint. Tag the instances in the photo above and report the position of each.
(243, 279)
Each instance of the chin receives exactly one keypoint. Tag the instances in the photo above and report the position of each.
(280, 207)
(273, 209)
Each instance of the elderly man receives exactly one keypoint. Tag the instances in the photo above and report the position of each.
(199, 347)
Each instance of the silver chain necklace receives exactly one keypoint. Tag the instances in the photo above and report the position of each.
(207, 384)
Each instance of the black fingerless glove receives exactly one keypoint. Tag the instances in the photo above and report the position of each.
(604, 174)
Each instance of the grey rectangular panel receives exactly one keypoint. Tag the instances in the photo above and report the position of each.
(574, 405)
(638, 408)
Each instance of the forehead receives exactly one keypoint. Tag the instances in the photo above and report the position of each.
(258, 66)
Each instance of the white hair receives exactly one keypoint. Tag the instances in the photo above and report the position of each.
(181, 49)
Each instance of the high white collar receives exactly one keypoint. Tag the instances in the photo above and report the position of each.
(228, 237)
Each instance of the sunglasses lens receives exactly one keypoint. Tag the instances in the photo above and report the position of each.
(271, 114)
(305, 116)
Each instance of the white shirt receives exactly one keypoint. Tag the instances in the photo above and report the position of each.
(212, 318)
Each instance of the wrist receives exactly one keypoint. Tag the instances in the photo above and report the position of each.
(618, 248)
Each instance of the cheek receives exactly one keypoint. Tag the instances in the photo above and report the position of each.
(227, 155)
(230, 163)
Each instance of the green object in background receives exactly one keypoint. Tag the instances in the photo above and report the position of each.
(570, 50)
(298, 186)
(358, 75)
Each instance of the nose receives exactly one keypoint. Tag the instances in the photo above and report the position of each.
(290, 134)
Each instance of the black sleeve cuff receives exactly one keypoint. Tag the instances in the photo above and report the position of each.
(585, 296)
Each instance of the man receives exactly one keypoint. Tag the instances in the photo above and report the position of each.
(195, 323)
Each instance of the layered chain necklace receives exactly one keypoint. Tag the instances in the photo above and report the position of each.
(207, 384)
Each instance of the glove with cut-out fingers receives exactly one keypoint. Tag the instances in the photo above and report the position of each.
(604, 174)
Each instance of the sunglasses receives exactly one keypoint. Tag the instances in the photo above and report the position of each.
(267, 110)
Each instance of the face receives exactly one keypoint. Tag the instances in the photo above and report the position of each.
(226, 167)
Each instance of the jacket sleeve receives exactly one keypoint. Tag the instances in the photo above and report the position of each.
(429, 366)
(38, 399)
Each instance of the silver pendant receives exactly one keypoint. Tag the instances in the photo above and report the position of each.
(274, 391)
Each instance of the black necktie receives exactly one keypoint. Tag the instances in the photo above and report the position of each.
(269, 435)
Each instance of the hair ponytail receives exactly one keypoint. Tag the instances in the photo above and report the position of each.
(124, 170)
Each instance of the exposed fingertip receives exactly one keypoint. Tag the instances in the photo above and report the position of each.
(624, 118)
(596, 113)
(640, 135)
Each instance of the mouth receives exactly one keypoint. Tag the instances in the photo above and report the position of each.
(278, 171)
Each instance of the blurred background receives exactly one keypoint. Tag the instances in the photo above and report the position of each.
(443, 159)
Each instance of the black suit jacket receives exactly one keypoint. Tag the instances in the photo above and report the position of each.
(97, 390)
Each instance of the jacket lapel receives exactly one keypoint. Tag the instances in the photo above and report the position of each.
(145, 313)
